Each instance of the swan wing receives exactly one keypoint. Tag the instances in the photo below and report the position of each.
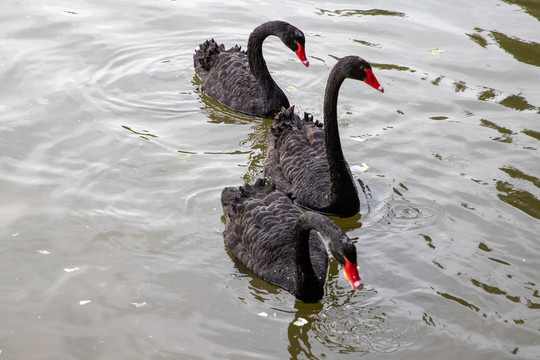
(226, 76)
(259, 231)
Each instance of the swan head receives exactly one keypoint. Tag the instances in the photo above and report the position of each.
(296, 41)
(346, 256)
(355, 67)
(351, 273)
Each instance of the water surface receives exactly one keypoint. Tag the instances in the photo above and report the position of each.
(112, 164)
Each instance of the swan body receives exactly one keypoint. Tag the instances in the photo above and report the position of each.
(305, 159)
(240, 79)
(278, 242)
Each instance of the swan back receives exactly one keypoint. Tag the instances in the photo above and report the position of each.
(259, 233)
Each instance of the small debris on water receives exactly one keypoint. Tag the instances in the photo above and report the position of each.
(139, 305)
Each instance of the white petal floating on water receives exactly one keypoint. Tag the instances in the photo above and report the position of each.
(360, 168)
(42, 101)
(358, 138)
(71, 269)
(84, 302)
(44, 252)
(262, 314)
(300, 322)
(15, 234)
(139, 305)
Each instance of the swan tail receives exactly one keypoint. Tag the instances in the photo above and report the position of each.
(231, 197)
(285, 120)
(249, 191)
(308, 118)
(205, 55)
(208, 53)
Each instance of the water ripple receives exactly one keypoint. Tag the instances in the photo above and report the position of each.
(354, 329)
(407, 215)
(136, 77)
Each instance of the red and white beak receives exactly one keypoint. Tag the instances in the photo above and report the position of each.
(372, 81)
(351, 273)
(301, 53)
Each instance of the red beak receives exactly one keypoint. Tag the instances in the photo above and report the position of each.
(371, 80)
(351, 273)
(301, 53)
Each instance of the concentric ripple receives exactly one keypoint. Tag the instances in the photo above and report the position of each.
(142, 77)
(410, 215)
(354, 329)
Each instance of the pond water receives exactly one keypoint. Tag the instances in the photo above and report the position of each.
(112, 164)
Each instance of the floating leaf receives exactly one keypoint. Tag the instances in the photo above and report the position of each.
(291, 88)
(184, 157)
(139, 305)
(436, 52)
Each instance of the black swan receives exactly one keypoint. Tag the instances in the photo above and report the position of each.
(270, 235)
(305, 160)
(240, 79)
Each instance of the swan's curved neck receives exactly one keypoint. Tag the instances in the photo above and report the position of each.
(342, 183)
(255, 56)
(333, 143)
(309, 288)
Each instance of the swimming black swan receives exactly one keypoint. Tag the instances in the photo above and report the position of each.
(240, 79)
(306, 161)
(270, 235)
